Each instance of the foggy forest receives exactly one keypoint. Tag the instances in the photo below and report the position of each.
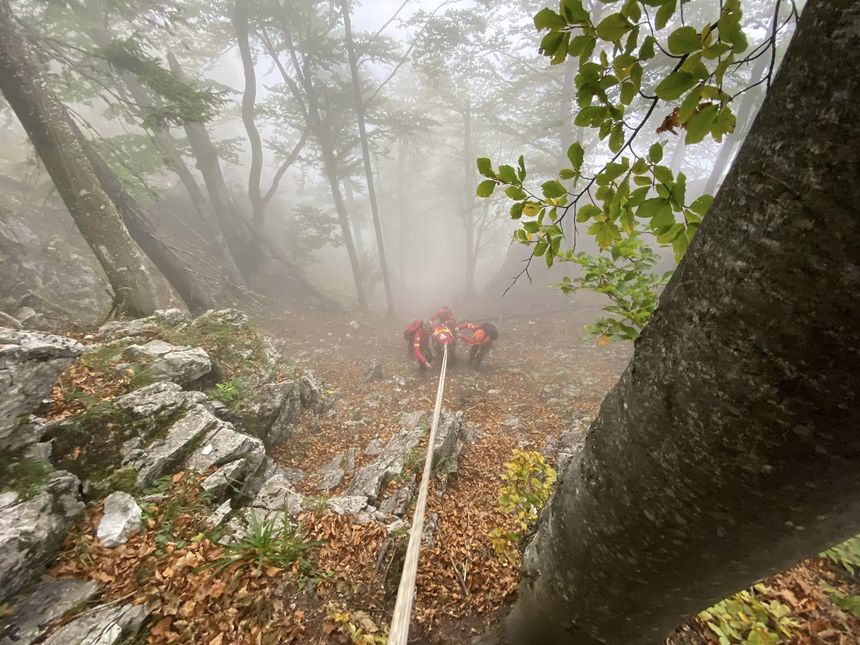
(429, 321)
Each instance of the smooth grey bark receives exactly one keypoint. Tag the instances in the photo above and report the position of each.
(729, 449)
(365, 153)
(51, 131)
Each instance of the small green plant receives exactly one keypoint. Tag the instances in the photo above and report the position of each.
(745, 619)
(181, 516)
(229, 392)
(270, 543)
(846, 602)
(529, 482)
(24, 476)
(846, 554)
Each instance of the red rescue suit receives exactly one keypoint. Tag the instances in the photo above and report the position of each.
(480, 337)
(417, 336)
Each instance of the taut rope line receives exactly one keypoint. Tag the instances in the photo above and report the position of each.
(399, 631)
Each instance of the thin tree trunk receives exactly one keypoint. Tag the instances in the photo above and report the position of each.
(402, 152)
(50, 129)
(140, 227)
(354, 220)
(365, 152)
(469, 200)
(249, 98)
(321, 134)
(245, 250)
(729, 449)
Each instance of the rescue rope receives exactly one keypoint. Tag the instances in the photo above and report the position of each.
(399, 630)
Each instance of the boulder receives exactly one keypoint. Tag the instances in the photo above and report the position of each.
(174, 363)
(333, 472)
(32, 614)
(122, 518)
(32, 530)
(348, 504)
(374, 372)
(103, 625)
(275, 501)
(158, 398)
(369, 480)
(116, 329)
(30, 362)
(272, 410)
(218, 484)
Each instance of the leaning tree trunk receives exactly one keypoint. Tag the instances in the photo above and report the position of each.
(247, 254)
(50, 129)
(365, 153)
(729, 450)
(176, 272)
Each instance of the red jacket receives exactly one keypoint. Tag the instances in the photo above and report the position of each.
(478, 335)
(420, 339)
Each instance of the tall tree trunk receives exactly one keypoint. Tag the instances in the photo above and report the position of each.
(729, 449)
(354, 219)
(365, 152)
(469, 184)
(246, 252)
(402, 154)
(249, 99)
(745, 111)
(50, 129)
(329, 159)
(140, 227)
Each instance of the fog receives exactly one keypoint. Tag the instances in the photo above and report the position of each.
(441, 83)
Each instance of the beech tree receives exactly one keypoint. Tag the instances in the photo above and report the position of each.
(729, 449)
(52, 133)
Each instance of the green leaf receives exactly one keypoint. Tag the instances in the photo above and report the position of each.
(587, 212)
(689, 105)
(724, 123)
(517, 210)
(646, 51)
(552, 189)
(486, 188)
(664, 175)
(616, 139)
(579, 44)
(716, 50)
(613, 27)
(576, 154)
(674, 85)
(642, 181)
(679, 190)
(485, 167)
(549, 19)
(591, 115)
(663, 218)
(550, 43)
(566, 173)
(702, 204)
(540, 248)
(699, 125)
(508, 175)
(515, 192)
(684, 40)
(573, 11)
(604, 233)
(666, 11)
(631, 10)
(531, 227)
(655, 153)
(651, 207)
(628, 91)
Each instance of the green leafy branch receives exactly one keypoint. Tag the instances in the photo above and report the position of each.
(631, 193)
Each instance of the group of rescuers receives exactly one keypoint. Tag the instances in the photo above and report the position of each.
(423, 337)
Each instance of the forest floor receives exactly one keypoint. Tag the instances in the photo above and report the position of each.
(543, 377)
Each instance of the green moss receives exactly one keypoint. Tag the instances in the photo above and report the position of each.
(90, 444)
(414, 460)
(106, 356)
(24, 476)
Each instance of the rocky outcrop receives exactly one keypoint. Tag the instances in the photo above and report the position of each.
(116, 329)
(32, 530)
(103, 625)
(30, 362)
(174, 363)
(31, 616)
(122, 518)
(271, 411)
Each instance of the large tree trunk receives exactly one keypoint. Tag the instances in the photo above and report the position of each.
(246, 252)
(729, 450)
(50, 129)
(365, 152)
(177, 273)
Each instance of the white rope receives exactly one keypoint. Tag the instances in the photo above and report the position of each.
(399, 631)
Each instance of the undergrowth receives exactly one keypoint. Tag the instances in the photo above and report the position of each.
(747, 620)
